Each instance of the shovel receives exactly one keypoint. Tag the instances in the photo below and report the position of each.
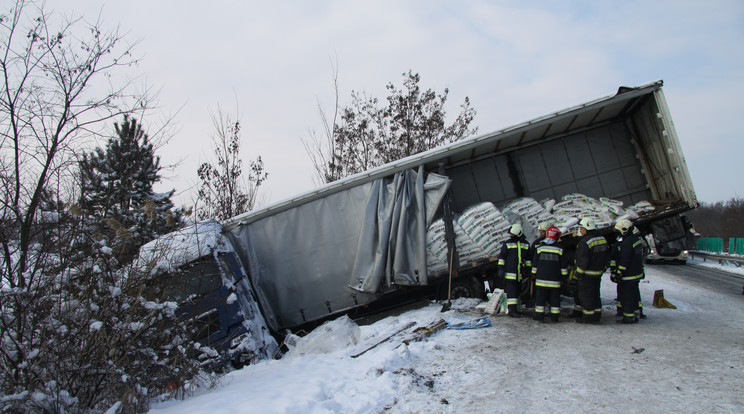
(447, 306)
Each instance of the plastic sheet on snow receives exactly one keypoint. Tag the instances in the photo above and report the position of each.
(331, 336)
(461, 322)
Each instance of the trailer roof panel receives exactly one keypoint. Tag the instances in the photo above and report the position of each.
(603, 110)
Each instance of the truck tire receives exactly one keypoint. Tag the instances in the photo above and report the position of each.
(467, 287)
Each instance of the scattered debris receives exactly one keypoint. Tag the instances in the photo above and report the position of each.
(461, 322)
(387, 338)
(425, 331)
(496, 303)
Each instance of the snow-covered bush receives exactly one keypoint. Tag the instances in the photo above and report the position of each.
(82, 334)
(75, 334)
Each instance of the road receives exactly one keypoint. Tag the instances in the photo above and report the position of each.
(687, 360)
(705, 277)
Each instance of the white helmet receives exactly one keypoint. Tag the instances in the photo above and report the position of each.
(543, 226)
(516, 229)
(623, 226)
(588, 223)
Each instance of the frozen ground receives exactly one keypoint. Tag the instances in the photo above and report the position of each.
(689, 359)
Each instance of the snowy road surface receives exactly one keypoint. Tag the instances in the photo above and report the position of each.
(688, 360)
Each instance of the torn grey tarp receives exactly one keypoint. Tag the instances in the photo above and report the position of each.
(304, 260)
(392, 242)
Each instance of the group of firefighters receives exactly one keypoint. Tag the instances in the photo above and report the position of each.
(545, 264)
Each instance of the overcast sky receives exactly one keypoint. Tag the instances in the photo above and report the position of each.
(516, 60)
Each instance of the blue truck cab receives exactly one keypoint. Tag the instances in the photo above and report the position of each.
(212, 290)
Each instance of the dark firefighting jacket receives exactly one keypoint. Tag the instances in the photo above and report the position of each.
(626, 258)
(549, 264)
(592, 255)
(514, 259)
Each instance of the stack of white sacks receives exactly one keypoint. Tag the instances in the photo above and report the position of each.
(479, 232)
(482, 228)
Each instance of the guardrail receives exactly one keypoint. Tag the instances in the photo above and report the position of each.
(722, 258)
(715, 245)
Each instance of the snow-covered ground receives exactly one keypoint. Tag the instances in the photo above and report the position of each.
(689, 359)
(714, 264)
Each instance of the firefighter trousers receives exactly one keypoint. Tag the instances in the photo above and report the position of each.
(591, 302)
(512, 295)
(574, 285)
(629, 296)
(550, 296)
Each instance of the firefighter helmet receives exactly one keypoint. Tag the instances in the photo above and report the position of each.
(623, 226)
(543, 226)
(553, 233)
(588, 223)
(516, 229)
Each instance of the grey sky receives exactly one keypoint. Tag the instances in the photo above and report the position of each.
(516, 60)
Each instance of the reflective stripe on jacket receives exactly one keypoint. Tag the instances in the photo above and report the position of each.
(627, 258)
(550, 265)
(592, 255)
(513, 256)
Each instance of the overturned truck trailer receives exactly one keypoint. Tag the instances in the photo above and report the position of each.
(349, 243)
(355, 242)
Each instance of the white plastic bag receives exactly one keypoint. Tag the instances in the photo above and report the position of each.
(331, 336)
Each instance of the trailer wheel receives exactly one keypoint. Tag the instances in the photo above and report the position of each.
(467, 287)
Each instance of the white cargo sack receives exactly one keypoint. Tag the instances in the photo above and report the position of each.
(496, 303)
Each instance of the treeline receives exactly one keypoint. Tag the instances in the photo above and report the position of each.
(722, 219)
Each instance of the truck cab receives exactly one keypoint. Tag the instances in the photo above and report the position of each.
(213, 292)
(670, 240)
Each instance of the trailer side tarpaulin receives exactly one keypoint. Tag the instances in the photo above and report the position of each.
(340, 251)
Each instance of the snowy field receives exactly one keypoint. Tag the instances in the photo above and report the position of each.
(688, 360)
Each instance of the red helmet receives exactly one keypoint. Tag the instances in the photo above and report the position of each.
(553, 233)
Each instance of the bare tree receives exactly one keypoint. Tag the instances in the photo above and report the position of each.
(225, 192)
(54, 92)
(415, 121)
(321, 148)
(365, 135)
(68, 318)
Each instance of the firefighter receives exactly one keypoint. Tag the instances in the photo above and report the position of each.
(514, 263)
(637, 232)
(541, 230)
(549, 266)
(592, 259)
(626, 266)
(573, 285)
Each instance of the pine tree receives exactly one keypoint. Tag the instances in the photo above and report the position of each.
(116, 191)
